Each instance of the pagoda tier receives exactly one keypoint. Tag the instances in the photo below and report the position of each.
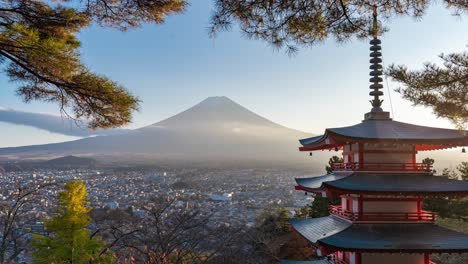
(335, 184)
(386, 132)
(384, 145)
(381, 186)
(331, 234)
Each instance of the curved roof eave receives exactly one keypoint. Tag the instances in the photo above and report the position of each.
(313, 229)
(397, 238)
(388, 131)
(316, 183)
(388, 183)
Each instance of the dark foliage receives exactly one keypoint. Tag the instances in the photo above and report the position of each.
(334, 159)
(39, 51)
(444, 89)
(306, 23)
(294, 24)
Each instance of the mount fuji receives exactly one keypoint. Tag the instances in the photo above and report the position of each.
(216, 129)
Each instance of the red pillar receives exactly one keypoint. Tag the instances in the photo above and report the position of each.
(419, 208)
(361, 156)
(426, 258)
(360, 207)
(357, 259)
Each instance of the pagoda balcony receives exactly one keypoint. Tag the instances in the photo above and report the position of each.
(423, 216)
(406, 167)
(334, 260)
(331, 259)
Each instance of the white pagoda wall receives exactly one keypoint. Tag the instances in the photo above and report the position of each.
(351, 148)
(388, 158)
(370, 146)
(390, 206)
(393, 153)
(369, 258)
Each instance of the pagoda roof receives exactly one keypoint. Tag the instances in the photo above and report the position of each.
(314, 229)
(316, 183)
(399, 238)
(380, 237)
(384, 183)
(387, 131)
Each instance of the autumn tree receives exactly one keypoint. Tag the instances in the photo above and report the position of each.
(69, 240)
(270, 232)
(163, 232)
(294, 24)
(39, 51)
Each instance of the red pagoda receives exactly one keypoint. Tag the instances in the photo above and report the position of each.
(381, 185)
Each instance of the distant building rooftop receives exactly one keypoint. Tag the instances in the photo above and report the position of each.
(221, 197)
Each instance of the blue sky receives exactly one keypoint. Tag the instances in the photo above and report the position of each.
(175, 65)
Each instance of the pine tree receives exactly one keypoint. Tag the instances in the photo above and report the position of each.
(463, 169)
(319, 207)
(449, 174)
(444, 89)
(39, 50)
(294, 24)
(334, 159)
(429, 163)
(69, 240)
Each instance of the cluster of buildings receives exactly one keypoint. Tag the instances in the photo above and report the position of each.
(232, 196)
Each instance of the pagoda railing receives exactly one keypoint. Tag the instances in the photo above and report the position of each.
(356, 166)
(335, 260)
(425, 216)
(332, 259)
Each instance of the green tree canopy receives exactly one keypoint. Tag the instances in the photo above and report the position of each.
(333, 159)
(444, 89)
(69, 241)
(450, 174)
(39, 51)
(463, 169)
(319, 206)
(292, 24)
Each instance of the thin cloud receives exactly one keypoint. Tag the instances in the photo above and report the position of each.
(53, 123)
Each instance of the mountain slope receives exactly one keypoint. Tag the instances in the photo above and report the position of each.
(217, 129)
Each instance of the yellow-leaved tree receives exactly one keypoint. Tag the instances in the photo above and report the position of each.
(68, 239)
